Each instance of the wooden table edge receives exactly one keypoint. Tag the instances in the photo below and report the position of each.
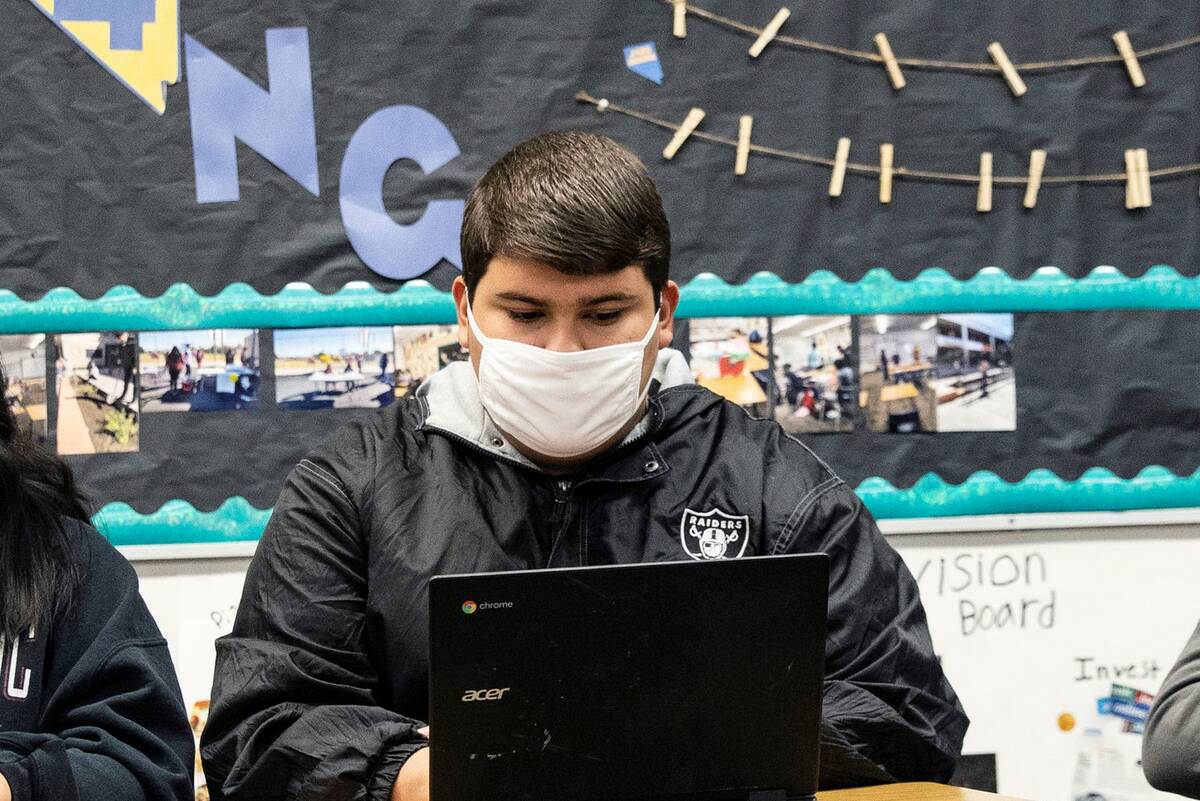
(910, 791)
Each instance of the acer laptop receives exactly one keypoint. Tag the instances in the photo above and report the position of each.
(682, 681)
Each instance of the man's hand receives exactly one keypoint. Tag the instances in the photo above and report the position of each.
(412, 783)
(5, 790)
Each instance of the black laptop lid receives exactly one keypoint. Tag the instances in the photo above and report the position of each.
(680, 680)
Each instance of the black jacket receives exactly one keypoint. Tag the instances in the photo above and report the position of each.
(1171, 747)
(322, 684)
(91, 708)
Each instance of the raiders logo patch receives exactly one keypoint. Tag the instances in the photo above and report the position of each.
(714, 534)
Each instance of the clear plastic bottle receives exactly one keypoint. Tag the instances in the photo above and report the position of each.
(1085, 786)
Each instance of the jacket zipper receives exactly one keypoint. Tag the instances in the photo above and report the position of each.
(562, 495)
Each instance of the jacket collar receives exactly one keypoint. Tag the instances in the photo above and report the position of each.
(450, 398)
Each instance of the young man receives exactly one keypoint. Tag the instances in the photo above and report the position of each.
(572, 437)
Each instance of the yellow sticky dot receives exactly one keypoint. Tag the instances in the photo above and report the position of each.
(1066, 721)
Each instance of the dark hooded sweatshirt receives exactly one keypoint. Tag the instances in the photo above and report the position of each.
(323, 683)
(90, 708)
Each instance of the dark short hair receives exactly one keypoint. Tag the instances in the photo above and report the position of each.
(575, 201)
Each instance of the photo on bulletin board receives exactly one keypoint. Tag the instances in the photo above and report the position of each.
(198, 718)
(97, 390)
(23, 361)
(199, 371)
(937, 373)
(333, 368)
(422, 350)
(979, 393)
(815, 374)
(730, 356)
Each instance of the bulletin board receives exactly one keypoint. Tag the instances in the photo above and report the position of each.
(211, 178)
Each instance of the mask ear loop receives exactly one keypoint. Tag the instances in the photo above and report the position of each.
(479, 335)
(654, 325)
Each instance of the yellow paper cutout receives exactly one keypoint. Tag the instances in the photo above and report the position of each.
(145, 72)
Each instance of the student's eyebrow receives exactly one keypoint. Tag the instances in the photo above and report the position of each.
(612, 297)
(517, 297)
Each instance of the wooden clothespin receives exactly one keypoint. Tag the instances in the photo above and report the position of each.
(1125, 48)
(685, 130)
(838, 178)
(769, 32)
(679, 27)
(745, 124)
(1137, 179)
(886, 155)
(983, 203)
(1010, 72)
(1037, 164)
(889, 61)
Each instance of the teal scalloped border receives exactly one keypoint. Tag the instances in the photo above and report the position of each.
(179, 523)
(822, 292)
(983, 493)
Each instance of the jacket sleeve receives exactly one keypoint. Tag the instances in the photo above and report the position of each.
(889, 714)
(112, 723)
(294, 712)
(1171, 746)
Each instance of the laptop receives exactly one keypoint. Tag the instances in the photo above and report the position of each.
(679, 681)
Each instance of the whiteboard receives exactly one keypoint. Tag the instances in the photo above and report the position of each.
(1035, 625)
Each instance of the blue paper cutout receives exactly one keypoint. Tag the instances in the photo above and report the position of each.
(642, 58)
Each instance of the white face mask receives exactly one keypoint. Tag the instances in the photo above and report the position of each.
(561, 404)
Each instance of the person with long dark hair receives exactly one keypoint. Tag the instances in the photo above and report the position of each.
(90, 706)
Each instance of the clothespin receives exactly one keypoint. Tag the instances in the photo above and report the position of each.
(1137, 179)
(886, 154)
(769, 32)
(1010, 72)
(838, 178)
(1125, 48)
(680, 21)
(745, 124)
(983, 203)
(889, 61)
(685, 130)
(1037, 164)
